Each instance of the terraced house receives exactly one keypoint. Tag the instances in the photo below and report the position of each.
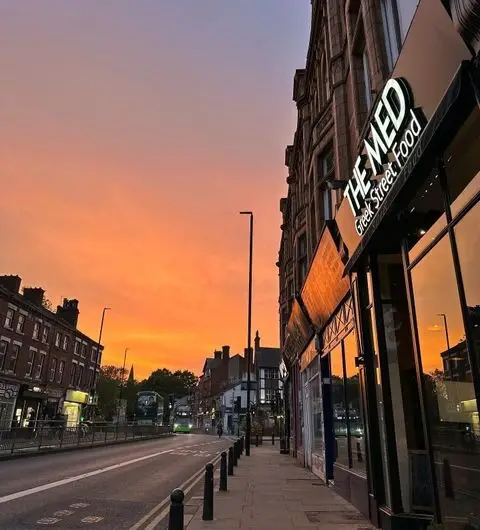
(378, 259)
(47, 366)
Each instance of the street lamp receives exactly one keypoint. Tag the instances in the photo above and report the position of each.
(92, 381)
(249, 333)
(446, 328)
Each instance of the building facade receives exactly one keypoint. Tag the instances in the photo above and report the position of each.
(377, 261)
(47, 366)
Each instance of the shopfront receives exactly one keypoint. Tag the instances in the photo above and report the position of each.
(29, 407)
(413, 236)
(8, 398)
(73, 405)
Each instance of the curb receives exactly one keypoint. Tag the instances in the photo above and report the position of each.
(68, 449)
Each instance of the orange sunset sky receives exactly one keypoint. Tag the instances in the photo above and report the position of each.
(132, 135)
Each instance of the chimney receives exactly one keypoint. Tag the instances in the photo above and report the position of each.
(34, 295)
(218, 354)
(225, 352)
(257, 341)
(69, 311)
(11, 283)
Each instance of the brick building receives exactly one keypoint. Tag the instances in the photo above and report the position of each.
(379, 226)
(47, 365)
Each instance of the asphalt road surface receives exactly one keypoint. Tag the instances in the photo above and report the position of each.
(116, 487)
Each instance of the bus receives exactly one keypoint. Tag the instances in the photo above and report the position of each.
(148, 408)
(182, 419)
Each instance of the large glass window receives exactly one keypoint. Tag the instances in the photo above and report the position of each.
(317, 415)
(354, 404)
(450, 397)
(338, 405)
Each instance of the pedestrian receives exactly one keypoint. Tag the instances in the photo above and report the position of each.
(220, 429)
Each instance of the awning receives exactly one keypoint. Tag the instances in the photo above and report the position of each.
(298, 334)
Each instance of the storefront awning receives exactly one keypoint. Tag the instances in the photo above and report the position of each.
(298, 334)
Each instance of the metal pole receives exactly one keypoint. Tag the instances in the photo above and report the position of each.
(105, 309)
(249, 337)
(446, 328)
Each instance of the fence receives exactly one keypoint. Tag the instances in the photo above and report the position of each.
(55, 435)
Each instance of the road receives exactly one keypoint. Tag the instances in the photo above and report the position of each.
(101, 488)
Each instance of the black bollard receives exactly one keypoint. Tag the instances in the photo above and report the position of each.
(223, 472)
(175, 519)
(273, 438)
(256, 440)
(235, 455)
(208, 494)
(239, 450)
(242, 444)
(230, 461)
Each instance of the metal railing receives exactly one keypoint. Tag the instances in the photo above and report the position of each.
(56, 435)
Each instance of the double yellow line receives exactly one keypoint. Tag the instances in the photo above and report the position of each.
(161, 510)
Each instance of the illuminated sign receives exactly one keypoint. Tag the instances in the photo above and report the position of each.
(394, 130)
(75, 396)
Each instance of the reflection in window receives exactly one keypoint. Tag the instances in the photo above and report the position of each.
(317, 415)
(338, 404)
(450, 398)
(406, 11)
(425, 216)
(462, 163)
(354, 405)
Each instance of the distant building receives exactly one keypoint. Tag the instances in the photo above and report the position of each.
(47, 366)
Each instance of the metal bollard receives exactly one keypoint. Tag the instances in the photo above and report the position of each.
(230, 461)
(208, 494)
(223, 472)
(235, 455)
(273, 438)
(175, 519)
(256, 440)
(239, 451)
(242, 444)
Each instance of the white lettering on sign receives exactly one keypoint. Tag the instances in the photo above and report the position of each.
(395, 129)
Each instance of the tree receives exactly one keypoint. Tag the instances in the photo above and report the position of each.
(166, 383)
(109, 380)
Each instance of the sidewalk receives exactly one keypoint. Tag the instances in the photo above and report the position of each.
(270, 490)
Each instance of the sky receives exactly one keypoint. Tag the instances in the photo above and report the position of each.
(132, 134)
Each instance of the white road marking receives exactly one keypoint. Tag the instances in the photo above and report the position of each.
(79, 505)
(48, 521)
(63, 513)
(164, 506)
(92, 519)
(51, 485)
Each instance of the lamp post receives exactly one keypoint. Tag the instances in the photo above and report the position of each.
(123, 374)
(249, 335)
(92, 382)
(446, 328)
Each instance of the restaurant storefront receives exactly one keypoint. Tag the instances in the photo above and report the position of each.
(410, 220)
(8, 398)
(73, 406)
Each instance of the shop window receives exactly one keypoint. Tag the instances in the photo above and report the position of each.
(12, 362)
(53, 369)
(73, 373)
(354, 404)
(39, 370)
(45, 333)
(425, 216)
(21, 323)
(36, 330)
(339, 406)
(467, 235)
(3, 353)
(58, 339)
(61, 369)
(30, 363)
(302, 259)
(391, 31)
(367, 82)
(9, 318)
(451, 407)
(462, 164)
(80, 376)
